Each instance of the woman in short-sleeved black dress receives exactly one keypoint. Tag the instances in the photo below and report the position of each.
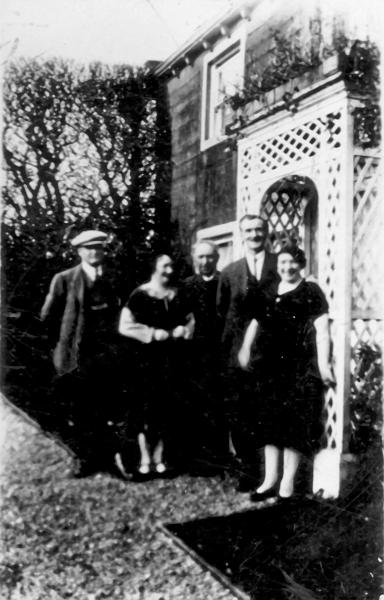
(156, 316)
(287, 349)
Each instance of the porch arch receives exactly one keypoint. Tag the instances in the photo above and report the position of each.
(290, 205)
(314, 145)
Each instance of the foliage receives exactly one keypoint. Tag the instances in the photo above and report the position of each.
(83, 147)
(122, 118)
(360, 66)
(366, 399)
(359, 62)
(289, 58)
(367, 125)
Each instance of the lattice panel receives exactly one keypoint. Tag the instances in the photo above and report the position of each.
(331, 415)
(300, 143)
(285, 215)
(329, 231)
(246, 162)
(283, 149)
(330, 419)
(291, 146)
(367, 283)
(367, 331)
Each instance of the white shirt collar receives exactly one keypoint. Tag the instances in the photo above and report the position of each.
(255, 259)
(260, 256)
(208, 277)
(91, 272)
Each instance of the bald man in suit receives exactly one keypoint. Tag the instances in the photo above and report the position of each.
(210, 449)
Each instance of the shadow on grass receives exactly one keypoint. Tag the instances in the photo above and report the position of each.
(85, 413)
(305, 549)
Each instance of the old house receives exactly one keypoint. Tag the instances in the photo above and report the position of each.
(274, 110)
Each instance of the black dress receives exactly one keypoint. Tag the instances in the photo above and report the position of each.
(288, 390)
(163, 366)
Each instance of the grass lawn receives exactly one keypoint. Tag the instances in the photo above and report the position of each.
(97, 537)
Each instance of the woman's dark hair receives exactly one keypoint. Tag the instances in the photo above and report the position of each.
(296, 252)
(154, 261)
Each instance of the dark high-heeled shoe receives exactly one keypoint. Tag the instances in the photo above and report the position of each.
(258, 496)
(285, 500)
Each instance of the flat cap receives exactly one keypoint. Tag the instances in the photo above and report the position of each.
(91, 237)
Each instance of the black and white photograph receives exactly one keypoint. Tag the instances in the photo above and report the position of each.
(192, 300)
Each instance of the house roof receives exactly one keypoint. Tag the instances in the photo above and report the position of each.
(204, 38)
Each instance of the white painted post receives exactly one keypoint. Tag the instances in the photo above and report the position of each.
(327, 463)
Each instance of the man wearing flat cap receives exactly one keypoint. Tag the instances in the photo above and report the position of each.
(80, 310)
(80, 315)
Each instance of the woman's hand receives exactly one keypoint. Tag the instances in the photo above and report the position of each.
(179, 332)
(244, 356)
(160, 335)
(326, 373)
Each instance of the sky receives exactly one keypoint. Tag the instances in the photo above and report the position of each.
(117, 31)
(113, 31)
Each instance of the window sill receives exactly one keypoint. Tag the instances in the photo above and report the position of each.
(204, 145)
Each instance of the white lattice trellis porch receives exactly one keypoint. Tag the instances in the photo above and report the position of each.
(317, 144)
(367, 263)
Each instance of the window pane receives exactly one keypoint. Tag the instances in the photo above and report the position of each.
(224, 79)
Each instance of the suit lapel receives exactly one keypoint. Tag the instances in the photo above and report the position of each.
(266, 266)
(78, 284)
(243, 275)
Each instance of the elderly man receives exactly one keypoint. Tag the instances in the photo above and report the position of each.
(200, 291)
(80, 310)
(256, 271)
(80, 313)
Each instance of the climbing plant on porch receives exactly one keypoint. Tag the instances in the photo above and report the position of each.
(357, 60)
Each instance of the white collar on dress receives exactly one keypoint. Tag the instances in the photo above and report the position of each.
(285, 287)
(155, 292)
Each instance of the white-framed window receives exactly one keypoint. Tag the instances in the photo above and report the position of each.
(223, 237)
(223, 75)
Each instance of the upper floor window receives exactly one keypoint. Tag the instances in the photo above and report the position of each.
(223, 74)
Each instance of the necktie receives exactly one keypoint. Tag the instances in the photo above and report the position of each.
(255, 270)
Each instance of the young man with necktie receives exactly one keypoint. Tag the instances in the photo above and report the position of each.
(240, 284)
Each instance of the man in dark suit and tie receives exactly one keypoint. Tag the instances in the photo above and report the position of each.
(240, 282)
(80, 315)
(200, 291)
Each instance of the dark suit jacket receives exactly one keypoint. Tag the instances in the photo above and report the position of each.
(63, 313)
(200, 297)
(236, 291)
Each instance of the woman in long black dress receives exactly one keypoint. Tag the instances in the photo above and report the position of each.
(156, 316)
(287, 346)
